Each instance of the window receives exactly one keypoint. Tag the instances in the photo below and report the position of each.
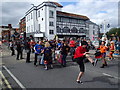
(27, 18)
(39, 27)
(51, 24)
(31, 15)
(31, 28)
(51, 14)
(38, 13)
(93, 32)
(27, 29)
(51, 32)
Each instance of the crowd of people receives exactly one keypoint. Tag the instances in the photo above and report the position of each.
(57, 50)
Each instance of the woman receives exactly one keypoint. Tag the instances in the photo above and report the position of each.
(112, 49)
(64, 52)
(103, 50)
(79, 56)
(47, 56)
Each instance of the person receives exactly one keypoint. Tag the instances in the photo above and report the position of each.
(28, 50)
(80, 55)
(47, 55)
(32, 44)
(19, 50)
(64, 52)
(103, 50)
(37, 48)
(112, 49)
(57, 51)
(72, 45)
(11, 45)
(78, 42)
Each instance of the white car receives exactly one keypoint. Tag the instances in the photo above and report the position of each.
(95, 43)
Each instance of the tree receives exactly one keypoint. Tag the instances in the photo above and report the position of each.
(113, 32)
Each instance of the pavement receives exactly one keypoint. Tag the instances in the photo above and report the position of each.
(25, 75)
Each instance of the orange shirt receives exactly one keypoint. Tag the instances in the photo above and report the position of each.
(103, 49)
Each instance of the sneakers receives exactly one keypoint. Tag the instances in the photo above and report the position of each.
(79, 82)
(93, 63)
(103, 65)
(46, 68)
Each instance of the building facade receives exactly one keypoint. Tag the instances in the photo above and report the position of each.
(7, 32)
(22, 25)
(47, 20)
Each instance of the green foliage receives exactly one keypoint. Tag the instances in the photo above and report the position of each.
(113, 32)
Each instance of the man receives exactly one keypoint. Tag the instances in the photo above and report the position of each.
(79, 56)
(28, 50)
(19, 50)
(38, 48)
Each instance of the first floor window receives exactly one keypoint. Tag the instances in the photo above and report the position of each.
(39, 27)
(51, 32)
(51, 14)
(51, 24)
(27, 29)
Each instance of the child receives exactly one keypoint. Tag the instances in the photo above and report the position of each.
(112, 49)
(103, 50)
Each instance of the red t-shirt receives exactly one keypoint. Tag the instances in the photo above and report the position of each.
(79, 52)
(72, 43)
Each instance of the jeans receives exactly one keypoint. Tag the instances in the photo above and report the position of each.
(64, 59)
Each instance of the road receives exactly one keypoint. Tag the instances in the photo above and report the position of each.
(26, 75)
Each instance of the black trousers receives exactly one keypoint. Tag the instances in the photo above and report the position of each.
(35, 61)
(28, 57)
(13, 51)
(19, 53)
(81, 63)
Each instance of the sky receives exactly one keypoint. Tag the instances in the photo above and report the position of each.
(97, 10)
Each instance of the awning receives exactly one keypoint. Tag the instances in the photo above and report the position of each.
(38, 35)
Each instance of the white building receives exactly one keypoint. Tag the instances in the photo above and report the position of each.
(47, 20)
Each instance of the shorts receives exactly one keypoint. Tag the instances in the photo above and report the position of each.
(81, 63)
(104, 55)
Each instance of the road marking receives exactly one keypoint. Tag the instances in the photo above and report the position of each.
(17, 81)
(5, 80)
(110, 75)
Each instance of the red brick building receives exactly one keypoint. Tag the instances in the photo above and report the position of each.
(22, 25)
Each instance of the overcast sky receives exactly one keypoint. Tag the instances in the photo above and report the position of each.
(97, 10)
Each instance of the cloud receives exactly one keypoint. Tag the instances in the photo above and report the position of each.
(96, 10)
(12, 12)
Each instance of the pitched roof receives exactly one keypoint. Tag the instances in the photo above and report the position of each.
(57, 4)
(72, 15)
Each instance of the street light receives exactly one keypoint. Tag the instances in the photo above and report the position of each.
(105, 24)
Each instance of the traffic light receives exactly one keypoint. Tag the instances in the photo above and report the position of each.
(108, 25)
